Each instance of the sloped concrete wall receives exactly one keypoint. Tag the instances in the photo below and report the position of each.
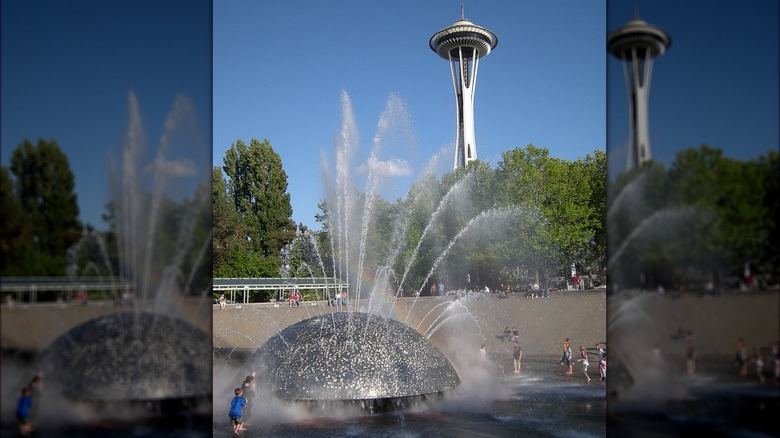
(716, 322)
(543, 323)
(33, 327)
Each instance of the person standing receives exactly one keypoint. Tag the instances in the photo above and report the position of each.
(569, 359)
(775, 362)
(483, 356)
(248, 391)
(602, 355)
(690, 357)
(236, 412)
(517, 357)
(603, 367)
(741, 357)
(583, 360)
(222, 302)
(36, 393)
(563, 353)
(759, 363)
(23, 409)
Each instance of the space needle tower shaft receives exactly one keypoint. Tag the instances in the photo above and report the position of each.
(463, 44)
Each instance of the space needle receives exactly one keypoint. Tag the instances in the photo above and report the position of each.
(463, 43)
(636, 44)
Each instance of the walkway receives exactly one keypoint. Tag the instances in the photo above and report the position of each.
(245, 286)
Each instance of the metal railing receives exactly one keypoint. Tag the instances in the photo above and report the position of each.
(245, 286)
(26, 289)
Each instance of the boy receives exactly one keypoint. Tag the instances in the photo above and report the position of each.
(517, 357)
(23, 412)
(236, 410)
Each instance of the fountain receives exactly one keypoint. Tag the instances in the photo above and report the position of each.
(351, 356)
(651, 329)
(150, 359)
(356, 355)
(394, 354)
(130, 357)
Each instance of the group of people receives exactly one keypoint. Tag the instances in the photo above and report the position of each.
(510, 335)
(339, 299)
(295, 298)
(241, 404)
(437, 289)
(535, 291)
(29, 404)
(742, 359)
(568, 360)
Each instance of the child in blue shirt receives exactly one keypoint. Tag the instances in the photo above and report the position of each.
(236, 411)
(23, 412)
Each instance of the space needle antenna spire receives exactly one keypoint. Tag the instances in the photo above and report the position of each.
(463, 44)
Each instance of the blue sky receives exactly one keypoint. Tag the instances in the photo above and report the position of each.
(67, 69)
(716, 85)
(280, 68)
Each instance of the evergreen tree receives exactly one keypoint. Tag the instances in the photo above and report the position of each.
(228, 230)
(43, 197)
(257, 187)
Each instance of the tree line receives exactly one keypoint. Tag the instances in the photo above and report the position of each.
(41, 234)
(706, 221)
(558, 210)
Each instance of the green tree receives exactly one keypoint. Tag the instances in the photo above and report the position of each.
(700, 221)
(323, 237)
(595, 167)
(476, 253)
(561, 191)
(258, 187)
(229, 232)
(735, 192)
(44, 189)
(418, 249)
(768, 169)
(13, 226)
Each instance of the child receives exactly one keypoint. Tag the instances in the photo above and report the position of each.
(583, 360)
(248, 392)
(23, 412)
(567, 356)
(603, 367)
(236, 411)
(759, 362)
(690, 358)
(483, 356)
(517, 358)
